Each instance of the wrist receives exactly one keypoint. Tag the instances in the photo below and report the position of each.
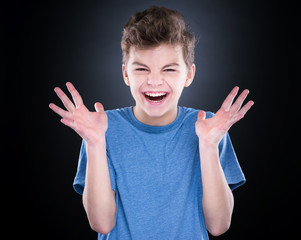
(95, 144)
(208, 145)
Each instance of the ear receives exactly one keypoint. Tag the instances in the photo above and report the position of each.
(125, 75)
(190, 76)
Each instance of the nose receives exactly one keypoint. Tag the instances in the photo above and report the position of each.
(155, 79)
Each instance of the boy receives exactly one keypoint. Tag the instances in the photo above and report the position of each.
(156, 170)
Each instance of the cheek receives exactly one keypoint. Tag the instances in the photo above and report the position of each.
(177, 83)
(135, 83)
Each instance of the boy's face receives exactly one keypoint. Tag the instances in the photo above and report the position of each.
(156, 77)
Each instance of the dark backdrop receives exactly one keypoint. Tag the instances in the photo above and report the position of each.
(48, 43)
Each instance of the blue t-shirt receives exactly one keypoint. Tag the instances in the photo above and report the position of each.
(155, 173)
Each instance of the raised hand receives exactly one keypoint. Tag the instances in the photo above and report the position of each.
(211, 131)
(91, 126)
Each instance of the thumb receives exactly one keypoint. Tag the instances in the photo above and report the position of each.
(201, 115)
(98, 107)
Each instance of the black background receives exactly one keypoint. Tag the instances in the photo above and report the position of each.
(47, 43)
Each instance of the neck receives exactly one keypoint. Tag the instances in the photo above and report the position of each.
(163, 120)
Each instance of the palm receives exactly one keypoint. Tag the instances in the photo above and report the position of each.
(213, 129)
(89, 125)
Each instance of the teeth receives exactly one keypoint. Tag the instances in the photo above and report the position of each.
(157, 94)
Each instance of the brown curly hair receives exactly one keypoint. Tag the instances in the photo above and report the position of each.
(154, 26)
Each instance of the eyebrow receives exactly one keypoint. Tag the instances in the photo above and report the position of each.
(166, 66)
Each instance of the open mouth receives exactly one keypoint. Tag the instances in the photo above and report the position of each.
(155, 97)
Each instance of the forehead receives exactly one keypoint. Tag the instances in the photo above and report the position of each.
(158, 55)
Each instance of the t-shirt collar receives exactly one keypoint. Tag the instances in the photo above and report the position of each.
(155, 129)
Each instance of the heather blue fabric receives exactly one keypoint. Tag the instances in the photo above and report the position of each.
(155, 172)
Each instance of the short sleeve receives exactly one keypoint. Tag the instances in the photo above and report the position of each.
(229, 162)
(79, 180)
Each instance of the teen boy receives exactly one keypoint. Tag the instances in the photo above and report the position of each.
(156, 170)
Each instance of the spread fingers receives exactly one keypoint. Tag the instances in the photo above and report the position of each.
(64, 98)
(61, 112)
(75, 95)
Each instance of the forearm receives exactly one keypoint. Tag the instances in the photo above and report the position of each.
(218, 200)
(98, 197)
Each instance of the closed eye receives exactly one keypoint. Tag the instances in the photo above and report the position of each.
(141, 69)
(169, 70)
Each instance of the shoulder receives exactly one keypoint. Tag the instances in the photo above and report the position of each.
(191, 113)
(189, 117)
(118, 120)
(118, 115)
